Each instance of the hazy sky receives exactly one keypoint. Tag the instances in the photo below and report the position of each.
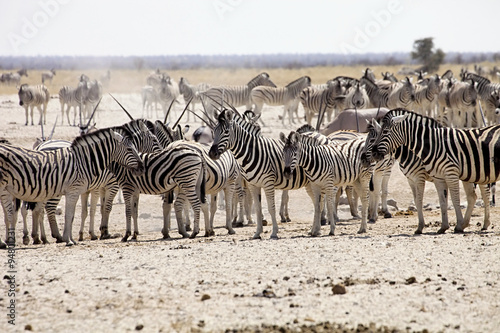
(146, 27)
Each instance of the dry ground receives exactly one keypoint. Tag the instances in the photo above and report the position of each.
(393, 279)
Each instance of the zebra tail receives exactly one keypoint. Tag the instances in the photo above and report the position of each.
(372, 187)
(202, 188)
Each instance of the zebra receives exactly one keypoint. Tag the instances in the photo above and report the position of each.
(489, 95)
(93, 97)
(104, 186)
(149, 97)
(13, 78)
(48, 76)
(72, 98)
(415, 171)
(356, 97)
(191, 92)
(37, 176)
(167, 93)
(260, 159)
(180, 167)
(391, 95)
(328, 166)
(34, 96)
(315, 101)
(452, 154)
(233, 95)
(221, 175)
(462, 97)
(426, 95)
(288, 96)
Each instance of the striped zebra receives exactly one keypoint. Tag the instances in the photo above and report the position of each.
(191, 92)
(34, 96)
(325, 101)
(452, 154)
(462, 97)
(93, 97)
(391, 95)
(328, 166)
(260, 159)
(37, 176)
(104, 186)
(288, 96)
(72, 98)
(149, 97)
(415, 171)
(180, 167)
(489, 95)
(426, 95)
(221, 175)
(48, 76)
(13, 78)
(356, 97)
(233, 95)
(167, 93)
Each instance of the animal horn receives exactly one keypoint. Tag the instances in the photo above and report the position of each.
(183, 111)
(95, 109)
(43, 136)
(53, 129)
(168, 111)
(128, 114)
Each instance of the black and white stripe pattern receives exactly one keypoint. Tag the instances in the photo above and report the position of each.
(180, 167)
(260, 159)
(489, 94)
(470, 155)
(48, 76)
(72, 98)
(389, 95)
(34, 96)
(462, 105)
(38, 176)
(233, 95)
(426, 95)
(287, 96)
(328, 166)
(191, 93)
(315, 101)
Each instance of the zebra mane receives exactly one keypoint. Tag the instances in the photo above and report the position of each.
(305, 128)
(85, 139)
(418, 117)
(300, 79)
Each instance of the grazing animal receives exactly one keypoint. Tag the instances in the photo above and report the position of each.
(260, 159)
(354, 120)
(233, 95)
(149, 98)
(325, 101)
(192, 92)
(452, 154)
(67, 171)
(34, 96)
(48, 76)
(287, 96)
(72, 98)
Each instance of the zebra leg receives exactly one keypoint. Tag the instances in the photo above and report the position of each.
(50, 209)
(128, 198)
(417, 188)
(178, 208)
(384, 194)
(454, 188)
(7, 201)
(271, 206)
(85, 203)
(24, 215)
(135, 215)
(229, 194)
(362, 187)
(374, 194)
(471, 201)
(168, 199)
(330, 203)
(37, 218)
(107, 195)
(485, 194)
(94, 197)
(258, 209)
(43, 235)
(27, 114)
(316, 195)
(31, 114)
(69, 215)
(284, 207)
(209, 227)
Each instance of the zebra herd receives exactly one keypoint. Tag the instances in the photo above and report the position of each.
(142, 157)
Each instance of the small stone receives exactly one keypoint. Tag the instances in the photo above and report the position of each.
(339, 289)
(139, 327)
(205, 297)
(28, 328)
(411, 280)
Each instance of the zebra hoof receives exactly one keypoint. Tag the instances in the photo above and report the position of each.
(188, 227)
(125, 238)
(238, 224)
(331, 233)
(3, 245)
(37, 241)
(418, 232)
(371, 221)
(274, 237)
(387, 215)
(256, 237)
(45, 241)
(80, 237)
(361, 231)
(26, 240)
(59, 240)
(105, 236)
(70, 243)
(231, 232)
(288, 219)
(93, 237)
(166, 236)
(193, 235)
(324, 222)
(442, 231)
(457, 230)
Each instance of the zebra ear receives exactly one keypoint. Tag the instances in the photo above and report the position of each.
(143, 127)
(376, 125)
(398, 119)
(118, 137)
(282, 137)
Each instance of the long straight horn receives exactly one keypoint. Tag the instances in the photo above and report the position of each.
(482, 113)
(183, 111)
(53, 129)
(95, 109)
(43, 136)
(319, 115)
(357, 121)
(209, 124)
(128, 114)
(204, 111)
(168, 111)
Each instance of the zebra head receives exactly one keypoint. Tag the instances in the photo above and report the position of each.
(143, 136)
(390, 135)
(126, 154)
(24, 93)
(373, 129)
(222, 134)
(290, 153)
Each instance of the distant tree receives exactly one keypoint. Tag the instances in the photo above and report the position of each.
(423, 51)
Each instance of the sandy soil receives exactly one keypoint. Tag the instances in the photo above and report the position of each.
(394, 281)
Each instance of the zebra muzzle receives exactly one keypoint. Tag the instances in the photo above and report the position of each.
(287, 172)
(214, 152)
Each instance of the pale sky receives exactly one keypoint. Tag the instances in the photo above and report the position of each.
(147, 27)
